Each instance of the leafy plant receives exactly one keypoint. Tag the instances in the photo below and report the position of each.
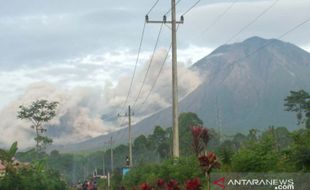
(39, 112)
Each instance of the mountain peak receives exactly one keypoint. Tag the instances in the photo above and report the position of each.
(255, 39)
(254, 48)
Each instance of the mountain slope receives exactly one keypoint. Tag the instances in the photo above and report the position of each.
(246, 88)
(244, 85)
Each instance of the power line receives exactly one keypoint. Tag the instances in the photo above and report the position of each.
(270, 42)
(158, 74)
(149, 66)
(137, 59)
(253, 21)
(193, 6)
(221, 15)
(294, 28)
(135, 68)
(154, 5)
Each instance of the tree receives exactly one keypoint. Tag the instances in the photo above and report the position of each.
(256, 156)
(160, 141)
(299, 151)
(238, 140)
(226, 151)
(39, 113)
(299, 102)
(186, 121)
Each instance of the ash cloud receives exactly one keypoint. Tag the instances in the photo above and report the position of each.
(160, 97)
(77, 117)
(86, 112)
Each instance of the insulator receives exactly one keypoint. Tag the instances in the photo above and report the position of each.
(182, 18)
(146, 18)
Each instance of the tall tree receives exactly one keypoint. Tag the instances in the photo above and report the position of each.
(299, 102)
(160, 141)
(39, 113)
(186, 121)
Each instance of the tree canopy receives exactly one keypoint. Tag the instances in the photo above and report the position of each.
(39, 112)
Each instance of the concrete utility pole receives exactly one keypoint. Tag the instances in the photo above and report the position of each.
(219, 122)
(175, 123)
(111, 154)
(129, 114)
(103, 163)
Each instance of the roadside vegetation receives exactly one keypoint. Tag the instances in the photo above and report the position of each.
(203, 151)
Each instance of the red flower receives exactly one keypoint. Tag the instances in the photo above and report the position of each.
(209, 161)
(200, 138)
(204, 161)
(193, 184)
(205, 136)
(196, 131)
(160, 183)
(197, 145)
(172, 185)
(145, 186)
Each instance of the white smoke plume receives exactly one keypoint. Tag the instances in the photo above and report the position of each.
(86, 112)
(77, 117)
(160, 97)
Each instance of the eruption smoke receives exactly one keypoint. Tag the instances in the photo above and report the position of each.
(86, 112)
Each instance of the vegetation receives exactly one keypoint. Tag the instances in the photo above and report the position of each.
(275, 149)
(25, 176)
(39, 112)
(299, 102)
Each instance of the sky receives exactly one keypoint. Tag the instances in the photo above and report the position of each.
(82, 53)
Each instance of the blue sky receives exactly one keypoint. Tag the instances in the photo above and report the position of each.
(65, 47)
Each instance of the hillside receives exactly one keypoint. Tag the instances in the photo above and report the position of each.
(244, 85)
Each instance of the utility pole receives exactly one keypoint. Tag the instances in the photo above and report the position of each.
(111, 154)
(103, 164)
(219, 122)
(175, 123)
(129, 114)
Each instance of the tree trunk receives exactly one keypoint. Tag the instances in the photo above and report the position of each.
(209, 180)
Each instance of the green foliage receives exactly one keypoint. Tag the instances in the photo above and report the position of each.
(159, 140)
(299, 152)
(185, 168)
(21, 176)
(186, 121)
(256, 156)
(7, 155)
(238, 140)
(299, 102)
(225, 152)
(30, 178)
(39, 112)
(275, 150)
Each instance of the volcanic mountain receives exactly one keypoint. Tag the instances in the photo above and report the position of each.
(243, 86)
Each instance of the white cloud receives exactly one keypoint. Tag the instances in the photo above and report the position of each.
(282, 17)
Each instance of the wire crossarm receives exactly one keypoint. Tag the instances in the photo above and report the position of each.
(147, 20)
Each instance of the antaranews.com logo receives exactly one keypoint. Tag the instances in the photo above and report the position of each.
(278, 184)
(258, 181)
